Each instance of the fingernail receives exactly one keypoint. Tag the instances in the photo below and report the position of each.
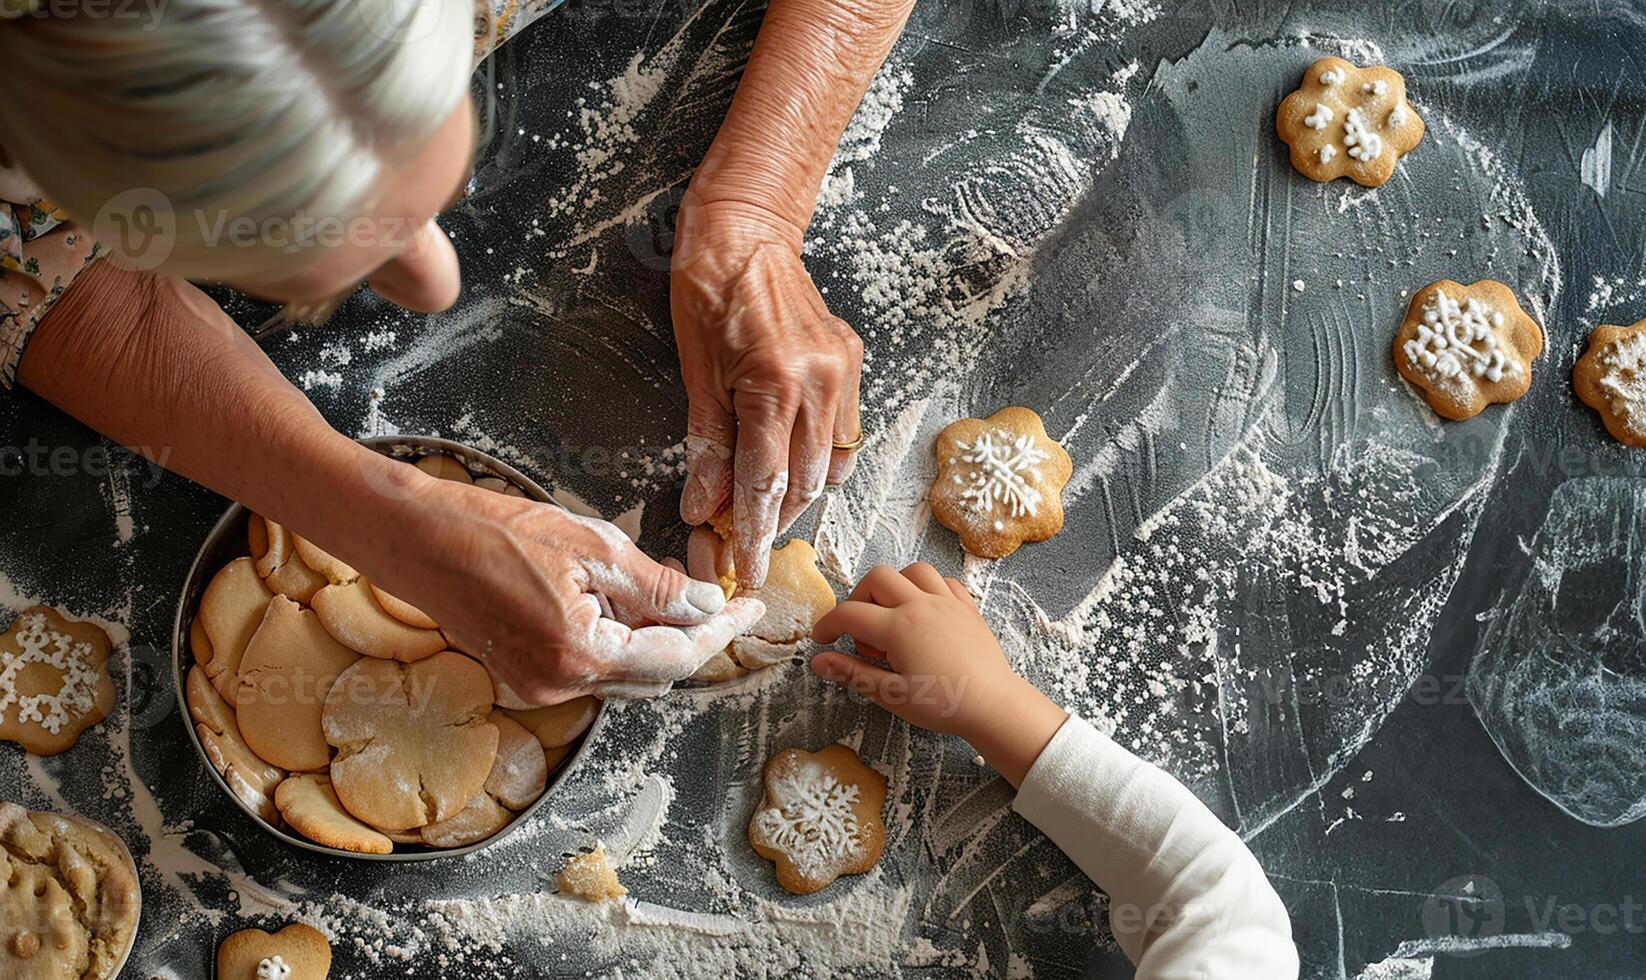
(706, 597)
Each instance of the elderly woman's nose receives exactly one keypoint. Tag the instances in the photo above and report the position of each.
(424, 278)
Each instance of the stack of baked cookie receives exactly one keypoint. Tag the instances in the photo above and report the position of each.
(336, 708)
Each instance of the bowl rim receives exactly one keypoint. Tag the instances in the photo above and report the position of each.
(182, 654)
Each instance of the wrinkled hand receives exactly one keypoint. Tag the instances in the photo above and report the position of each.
(771, 377)
(536, 593)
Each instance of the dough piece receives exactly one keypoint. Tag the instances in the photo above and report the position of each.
(250, 778)
(1349, 122)
(480, 819)
(274, 551)
(54, 680)
(350, 613)
(69, 898)
(232, 608)
(445, 468)
(590, 877)
(556, 757)
(1466, 347)
(819, 818)
(495, 484)
(289, 668)
(404, 611)
(999, 482)
(559, 724)
(796, 596)
(297, 952)
(413, 743)
(1610, 378)
(720, 668)
(309, 803)
(334, 570)
(199, 642)
(521, 770)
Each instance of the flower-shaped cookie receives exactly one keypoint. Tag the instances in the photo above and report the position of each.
(819, 818)
(1466, 347)
(54, 680)
(1610, 378)
(1349, 122)
(999, 482)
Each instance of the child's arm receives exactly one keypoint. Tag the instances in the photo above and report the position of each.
(1186, 897)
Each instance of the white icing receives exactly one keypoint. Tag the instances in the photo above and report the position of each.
(1455, 342)
(1397, 116)
(1330, 76)
(1320, 118)
(1623, 379)
(1001, 466)
(813, 819)
(1378, 88)
(1328, 153)
(273, 968)
(43, 645)
(1363, 144)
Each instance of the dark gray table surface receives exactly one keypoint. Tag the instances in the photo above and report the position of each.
(1403, 659)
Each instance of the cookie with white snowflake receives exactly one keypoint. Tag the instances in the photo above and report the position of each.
(1350, 122)
(1610, 378)
(999, 482)
(819, 818)
(1467, 347)
(54, 680)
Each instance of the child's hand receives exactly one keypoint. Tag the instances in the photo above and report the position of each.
(947, 671)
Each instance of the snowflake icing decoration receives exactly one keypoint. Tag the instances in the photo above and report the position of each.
(43, 645)
(1456, 340)
(1002, 467)
(813, 820)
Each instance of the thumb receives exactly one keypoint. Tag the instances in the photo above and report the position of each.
(855, 675)
(657, 593)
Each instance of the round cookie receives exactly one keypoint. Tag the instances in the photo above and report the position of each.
(482, 817)
(521, 770)
(819, 818)
(1349, 122)
(1610, 378)
(1467, 347)
(445, 468)
(403, 610)
(558, 724)
(231, 609)
(54, 680)
(274, 553)
(351, 614)
(309, 803)
(999, 482)
(334, 570)
(251, 779)
(297, 952)
(287, 671)
(413, 743)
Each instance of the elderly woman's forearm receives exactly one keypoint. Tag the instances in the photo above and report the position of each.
(811, 64)
(154, 365)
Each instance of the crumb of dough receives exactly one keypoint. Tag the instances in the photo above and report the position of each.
(590, 878)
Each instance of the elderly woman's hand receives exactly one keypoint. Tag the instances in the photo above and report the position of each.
(541, 596)
(771, 377)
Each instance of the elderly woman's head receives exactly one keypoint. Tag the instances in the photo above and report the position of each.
(288, 147)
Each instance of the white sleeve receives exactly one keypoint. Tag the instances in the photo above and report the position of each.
(1187, 900)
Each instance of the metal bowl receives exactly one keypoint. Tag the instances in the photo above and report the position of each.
(227, 541)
